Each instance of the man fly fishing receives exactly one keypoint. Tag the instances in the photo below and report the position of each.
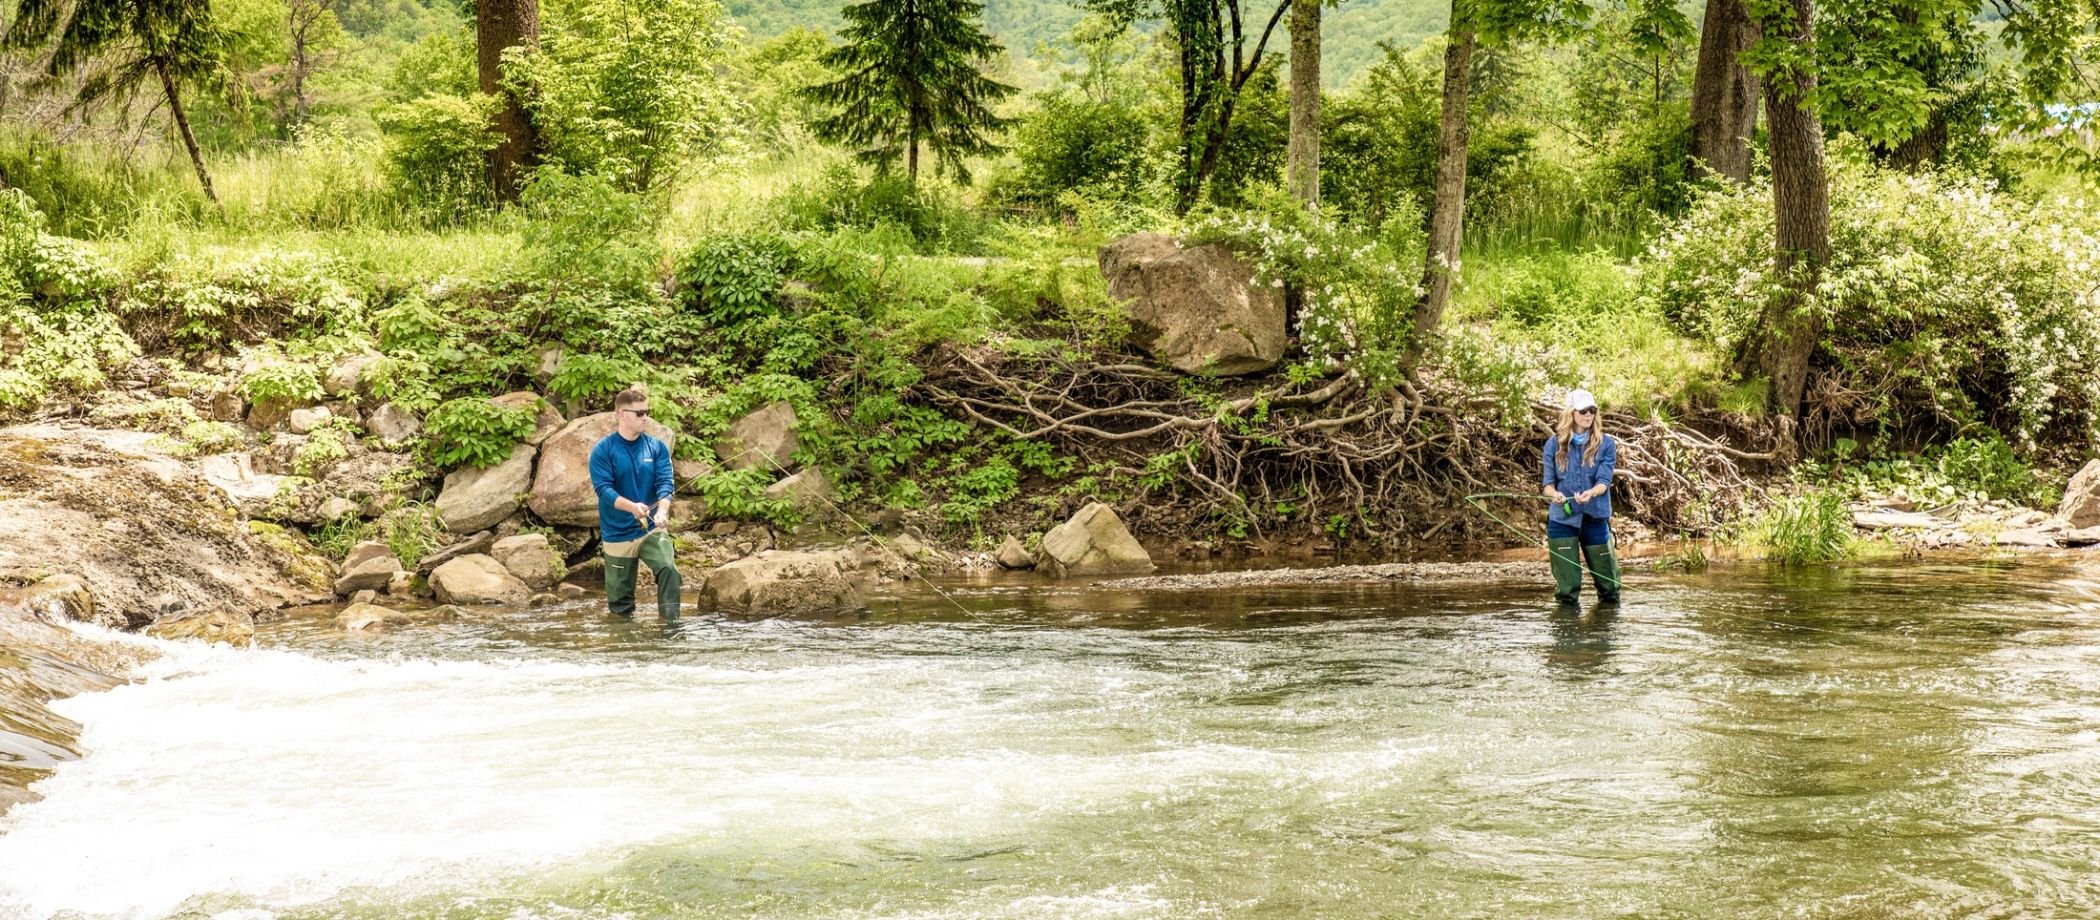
(1579, 460)
(631, 472)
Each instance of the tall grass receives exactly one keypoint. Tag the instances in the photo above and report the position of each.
(1806, 529)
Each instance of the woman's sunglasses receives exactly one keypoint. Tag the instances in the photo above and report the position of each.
(1590, 411)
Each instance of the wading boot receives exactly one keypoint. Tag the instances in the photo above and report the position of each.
(619, 584)
(1567, 570)
(1604, 570)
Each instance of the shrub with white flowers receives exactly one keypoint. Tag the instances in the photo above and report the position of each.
(1357, 288)
(1948, 303)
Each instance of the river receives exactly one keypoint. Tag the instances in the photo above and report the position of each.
(1903, 740)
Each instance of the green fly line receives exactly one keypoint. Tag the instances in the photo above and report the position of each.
(1533, 540)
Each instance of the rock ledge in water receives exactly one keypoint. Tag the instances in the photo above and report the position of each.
(1093, 542)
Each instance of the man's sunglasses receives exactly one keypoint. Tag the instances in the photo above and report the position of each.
(643, 413)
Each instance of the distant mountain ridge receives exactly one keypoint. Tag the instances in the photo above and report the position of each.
(1351, 32)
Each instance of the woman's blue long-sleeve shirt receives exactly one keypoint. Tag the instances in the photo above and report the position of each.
(637, 470)
(1577, 477)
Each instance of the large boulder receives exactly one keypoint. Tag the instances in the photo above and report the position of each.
(347, 376)
(479, 499)
(546, 419)
(1197, 309)
(561, 490)
(529, 557)
(781, 582)
(478, 579)
(807, 491)
(762, 439)
(2081, 505)
(1093, 542)
(121, 515)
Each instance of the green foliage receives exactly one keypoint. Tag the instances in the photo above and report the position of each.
(274, 377)
(1949, 304)
(335, 539)
(324, 448)
(770, 76)
(1379, 144)
(474, 432)
(210, 437)
(741, 495)
(912, 74)
(1356, 302)
(59, 335)
(411, 530)
(929, 218)
(628, 91)
(593, 377)
(730, 280)
(1069, 142)
(1987, 466)
(1806, 529)
(203, 306)
(1044, 289)
(437, 145)
(586, 231)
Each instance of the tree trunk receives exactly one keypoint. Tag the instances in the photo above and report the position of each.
(1446, 222)
(1724, 93)
(1787, 332)
(501, 25)
(182, 126)
(1303, 164)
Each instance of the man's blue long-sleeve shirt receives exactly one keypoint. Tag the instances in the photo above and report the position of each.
(637, 470)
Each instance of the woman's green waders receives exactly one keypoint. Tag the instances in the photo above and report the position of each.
(1567, 569)
(624, 560)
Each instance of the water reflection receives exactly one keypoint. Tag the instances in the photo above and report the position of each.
(1582, 640)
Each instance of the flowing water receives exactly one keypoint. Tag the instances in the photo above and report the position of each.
(1894, 741)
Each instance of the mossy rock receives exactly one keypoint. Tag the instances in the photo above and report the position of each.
(294, 556)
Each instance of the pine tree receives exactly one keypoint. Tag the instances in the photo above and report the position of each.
(121, 44)
(912, 73)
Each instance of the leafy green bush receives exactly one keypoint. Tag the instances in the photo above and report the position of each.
(474, 432)
(437, 148)
(929, 217)
(1358, 290)
(335, 539)
(1949, 304)
(741, 495)
(60, 335)
(1072, 142)
(273, 377)
(1805, 529)
(1989, 467)
(629, 91)
(1379, 144)
(210, 437)
(202, 305)
(734, 278)
(324, 448)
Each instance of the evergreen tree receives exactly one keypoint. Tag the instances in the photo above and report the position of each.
(123, 43)
(912, 73)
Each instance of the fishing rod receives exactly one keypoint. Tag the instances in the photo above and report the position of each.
(1567, 506)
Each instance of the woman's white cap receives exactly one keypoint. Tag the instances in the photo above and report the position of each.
(1579, 400)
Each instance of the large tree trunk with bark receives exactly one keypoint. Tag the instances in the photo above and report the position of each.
(1724, 93)
(1447, 220)
(1302, 167)
(1785, 339)
(182, 127)
(500, 25)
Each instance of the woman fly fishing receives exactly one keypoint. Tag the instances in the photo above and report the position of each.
(1578, 461)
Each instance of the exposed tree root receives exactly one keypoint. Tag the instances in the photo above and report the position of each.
(1271, 454)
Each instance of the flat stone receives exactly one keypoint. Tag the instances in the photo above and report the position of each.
(781, 582)
(569, 592)
(369, 549)
(688, 473)
(1895, 520)
(807, 491)
(364, 597)
(392, 424)
(529, 557)
(2034, 538)
(478, 579)
(2084, 536)
(478, 543)
(373, 573)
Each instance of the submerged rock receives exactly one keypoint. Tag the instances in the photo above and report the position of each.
(1093, 542)
(781, 582)
(217, 624)
(372, 616)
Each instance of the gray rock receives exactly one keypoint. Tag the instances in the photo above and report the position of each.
(392, 424)
(270, 413)
(531, 559)
(550, 364)
(478, 579)
(371, 574)
(1093, 542)
(347, 377)
(1197, 309)
(336, 507)
(687, 472)
(807, 490)
(763, 439)
(236, 476)
(403, 584)
(304, 421)
(364, 616)
(569, 592)
(477, 499)
(2084, 536)
(781, 582)
(228, 406)
(478, 543)
(369, 549)
(546, 419)
(1013, 555)
(544, 599)
(64, 598)
(364, 597)
(2033, 538)
(561, 489)
(2081, 504)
